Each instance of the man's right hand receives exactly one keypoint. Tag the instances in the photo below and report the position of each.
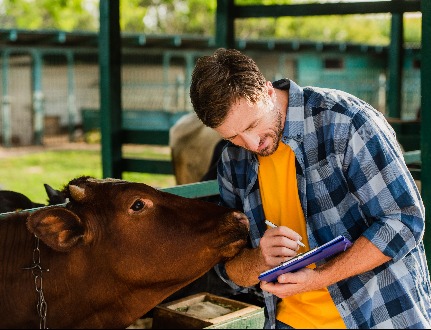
(278, 245)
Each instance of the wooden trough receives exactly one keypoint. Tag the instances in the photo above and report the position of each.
(207, 311)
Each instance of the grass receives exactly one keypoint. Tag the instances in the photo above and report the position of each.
(27, 173)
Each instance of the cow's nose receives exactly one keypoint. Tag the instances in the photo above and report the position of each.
(241, 217)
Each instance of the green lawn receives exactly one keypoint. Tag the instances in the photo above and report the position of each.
(27, 173)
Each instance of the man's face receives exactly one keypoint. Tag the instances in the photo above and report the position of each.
(255, 127)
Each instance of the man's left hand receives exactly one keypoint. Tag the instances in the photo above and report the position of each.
(289, 284)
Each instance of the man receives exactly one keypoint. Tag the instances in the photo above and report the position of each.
(318, 163)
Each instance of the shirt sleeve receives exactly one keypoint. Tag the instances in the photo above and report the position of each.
(229, 197)
(379, 178)
(229, 171)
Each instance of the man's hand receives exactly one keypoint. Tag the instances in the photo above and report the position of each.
(278, 245)
(360, 258)
(290, 284)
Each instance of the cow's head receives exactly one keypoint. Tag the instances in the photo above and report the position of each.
(138, 233)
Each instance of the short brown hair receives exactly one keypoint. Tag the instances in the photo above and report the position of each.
(220, 80)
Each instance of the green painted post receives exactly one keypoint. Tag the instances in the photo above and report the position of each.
(6, 107)
(395, 55)
(110, 87)
(38, 110)
(426, 121)
(225, 34)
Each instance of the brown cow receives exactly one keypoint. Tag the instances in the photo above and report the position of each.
(115, 251)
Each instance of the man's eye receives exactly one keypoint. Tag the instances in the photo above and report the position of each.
(251, 127)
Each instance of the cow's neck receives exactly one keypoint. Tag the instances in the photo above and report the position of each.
(68, 273)
(121, 307)
(15, 242)
(16, 253)
(137, 304)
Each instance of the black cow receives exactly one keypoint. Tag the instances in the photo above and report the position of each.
(11, 201)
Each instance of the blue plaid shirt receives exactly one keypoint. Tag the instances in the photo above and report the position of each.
(352, 181)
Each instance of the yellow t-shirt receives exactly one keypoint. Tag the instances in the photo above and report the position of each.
(280, 198)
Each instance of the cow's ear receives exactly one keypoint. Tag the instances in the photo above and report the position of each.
(57, 227)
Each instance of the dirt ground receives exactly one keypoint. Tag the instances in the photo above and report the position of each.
(50, 143)
(62, 143)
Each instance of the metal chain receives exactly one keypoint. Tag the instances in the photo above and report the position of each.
(37, 270)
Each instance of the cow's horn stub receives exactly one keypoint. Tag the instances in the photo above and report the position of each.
(77, 193)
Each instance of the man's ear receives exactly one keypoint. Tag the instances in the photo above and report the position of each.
(57, 227)
(270, 90)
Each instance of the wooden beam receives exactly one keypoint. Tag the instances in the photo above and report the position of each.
(322, 9)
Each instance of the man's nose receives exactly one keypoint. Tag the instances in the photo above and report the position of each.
(251, 141)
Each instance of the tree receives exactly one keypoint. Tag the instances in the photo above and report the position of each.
(67, 15)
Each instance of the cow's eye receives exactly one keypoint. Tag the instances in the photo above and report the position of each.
(138, 205)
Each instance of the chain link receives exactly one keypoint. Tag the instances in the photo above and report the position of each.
(37, 270)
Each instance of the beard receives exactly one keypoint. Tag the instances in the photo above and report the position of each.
(275, 136)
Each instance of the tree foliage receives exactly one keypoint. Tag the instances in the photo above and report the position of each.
(198, 17)
(67, 15)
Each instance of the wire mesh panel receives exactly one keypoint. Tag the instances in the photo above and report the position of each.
(159, 79)
(20, 99)
(411, 102)
(154, 81)
(55, 94)
(275, 64)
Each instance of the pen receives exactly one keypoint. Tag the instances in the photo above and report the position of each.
(269, 223)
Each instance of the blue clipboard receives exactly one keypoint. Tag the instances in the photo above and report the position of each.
(302, 260)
